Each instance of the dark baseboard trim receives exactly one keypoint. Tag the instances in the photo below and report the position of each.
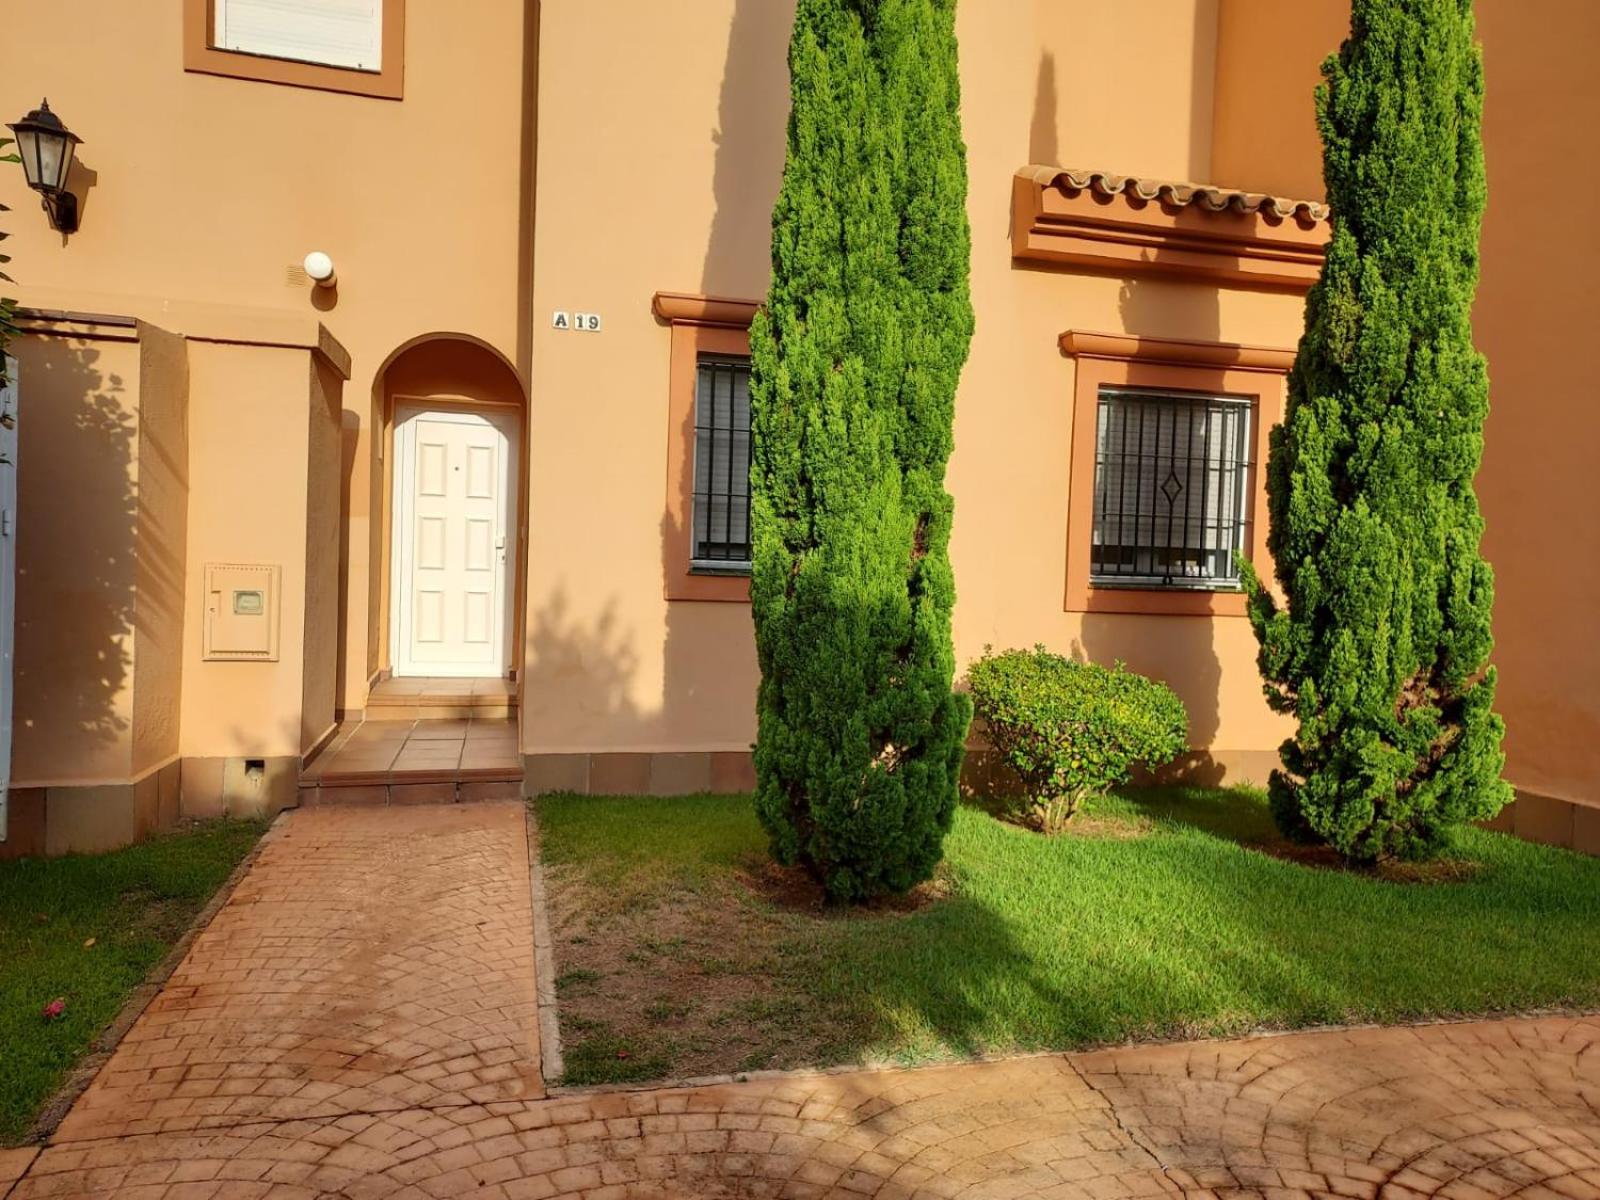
(644, 773)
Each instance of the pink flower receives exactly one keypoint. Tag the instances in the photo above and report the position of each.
(55, 1008)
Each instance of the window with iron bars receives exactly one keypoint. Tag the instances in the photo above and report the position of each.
(1171, 489)
(720, 543)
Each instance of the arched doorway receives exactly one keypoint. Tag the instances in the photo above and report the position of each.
(448, 573)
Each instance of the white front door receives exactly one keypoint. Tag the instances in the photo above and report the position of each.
(454, 483)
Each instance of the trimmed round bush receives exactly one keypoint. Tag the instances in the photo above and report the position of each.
(1072, 730)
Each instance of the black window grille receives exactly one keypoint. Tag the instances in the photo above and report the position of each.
(721, 513)
(1171, 489)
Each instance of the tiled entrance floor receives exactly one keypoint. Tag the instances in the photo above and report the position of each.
(416, 761)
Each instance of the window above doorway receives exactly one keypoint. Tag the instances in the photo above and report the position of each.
(354, 46)
(328, 33)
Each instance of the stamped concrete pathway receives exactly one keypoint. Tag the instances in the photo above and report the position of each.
(359, 1021)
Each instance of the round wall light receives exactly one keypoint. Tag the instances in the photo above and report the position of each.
(319, 267)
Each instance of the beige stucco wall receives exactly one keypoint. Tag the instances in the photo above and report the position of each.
(1534, 302)
(248, 476)
(160, 546)
(1096, 103)
(210, 189)
(1535, 309)
(1269, 60)
(103, 496)
(320, 654)
(611, 665)
(659, 150)
(73, 671)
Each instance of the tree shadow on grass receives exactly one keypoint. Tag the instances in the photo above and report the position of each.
(1242, 816)
(1067, 942)
(1047, 943)
(1057, 943)
(1237, 814)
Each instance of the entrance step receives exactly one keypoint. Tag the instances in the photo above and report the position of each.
(416, 762)
(442, 700)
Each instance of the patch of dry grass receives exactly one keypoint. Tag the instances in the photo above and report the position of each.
(683, 951)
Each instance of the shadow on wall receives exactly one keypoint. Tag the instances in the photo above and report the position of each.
(81, 182)
(677, 656)
(1183, 656)
(77, 518)
(751, 118)
(1194, 112)
(1044, 138)
(750, 144)
(349, 447)
(1179, 651)
(587, 663)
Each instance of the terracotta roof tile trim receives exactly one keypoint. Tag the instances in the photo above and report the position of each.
(1177, 194)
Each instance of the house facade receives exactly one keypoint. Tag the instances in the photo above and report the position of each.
(493, 467)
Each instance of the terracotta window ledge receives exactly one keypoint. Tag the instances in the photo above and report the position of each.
(681, 308)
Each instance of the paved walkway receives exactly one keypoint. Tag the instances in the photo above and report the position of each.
(359, 1021)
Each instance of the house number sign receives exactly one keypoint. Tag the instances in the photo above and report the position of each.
(581, 321)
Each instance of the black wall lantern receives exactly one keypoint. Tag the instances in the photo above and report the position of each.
(46, 146)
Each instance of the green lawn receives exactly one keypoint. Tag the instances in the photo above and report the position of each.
(1163, 917)
(134, 903)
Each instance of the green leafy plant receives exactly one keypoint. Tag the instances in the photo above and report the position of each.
(8, 306)
(856, 357)
(1381, 653)
(1072, 730)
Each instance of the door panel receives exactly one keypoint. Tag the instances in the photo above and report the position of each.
(454, 483)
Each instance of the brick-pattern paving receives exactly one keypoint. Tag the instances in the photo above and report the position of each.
(366, 963)
(1464, 1112)
(14, 1164)
(342, 1031)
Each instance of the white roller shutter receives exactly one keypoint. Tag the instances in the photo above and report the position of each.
(332, 33)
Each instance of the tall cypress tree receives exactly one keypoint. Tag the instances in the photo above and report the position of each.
(856, 357)
(1382, 651)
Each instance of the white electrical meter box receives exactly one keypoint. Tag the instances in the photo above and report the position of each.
(241, 612)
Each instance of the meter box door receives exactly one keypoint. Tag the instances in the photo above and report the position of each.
(241, 612)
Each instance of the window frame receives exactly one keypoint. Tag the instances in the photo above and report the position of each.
(1255, 374)
(714, 327)
(1241, 519)
(202, 57)
(712, 566)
